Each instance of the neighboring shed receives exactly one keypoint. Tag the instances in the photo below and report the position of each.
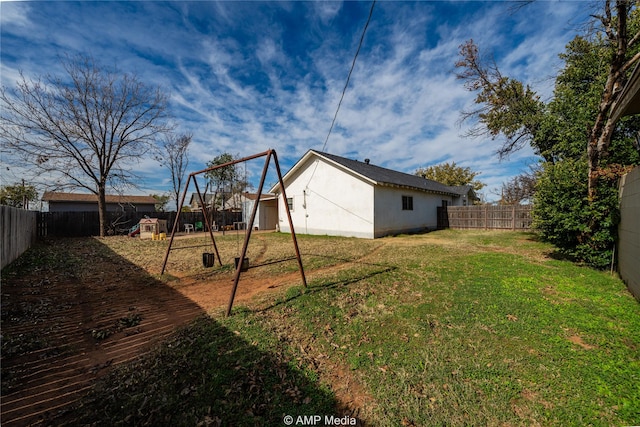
(77, 202)
(333, 195)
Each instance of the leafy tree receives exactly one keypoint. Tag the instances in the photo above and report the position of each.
(85, 128)
(451, 174)
(582, 229)
(504, 106)
(582, 152)
(18, 195)
(621, 34)
(174, 156)
(225, 181)
(508, 108)
(219, 180)
(161, 201)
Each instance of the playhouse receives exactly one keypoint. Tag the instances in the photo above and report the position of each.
(153, 228)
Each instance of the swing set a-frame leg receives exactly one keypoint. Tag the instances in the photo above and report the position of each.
(253, 216)
(205, 213)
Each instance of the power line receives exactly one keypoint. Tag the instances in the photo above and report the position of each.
(353, 64)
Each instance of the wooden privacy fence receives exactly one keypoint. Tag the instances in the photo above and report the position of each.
(19, 232)
(486, 217)
(81, 224)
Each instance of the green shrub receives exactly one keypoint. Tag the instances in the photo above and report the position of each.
(581, 230)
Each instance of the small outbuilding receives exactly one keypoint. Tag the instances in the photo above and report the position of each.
(150, 227)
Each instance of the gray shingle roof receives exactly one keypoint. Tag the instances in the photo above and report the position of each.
(54, 196)
(386, 176)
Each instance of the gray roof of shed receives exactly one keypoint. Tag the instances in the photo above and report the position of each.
(386, 176)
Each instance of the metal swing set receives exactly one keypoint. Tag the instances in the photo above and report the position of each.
(269, 154)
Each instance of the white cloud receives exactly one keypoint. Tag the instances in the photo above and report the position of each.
(14, 14)
(241, 84)
(326, 10)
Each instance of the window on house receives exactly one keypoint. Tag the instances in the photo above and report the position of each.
(407, 203)
(290, 203)
(445, 203)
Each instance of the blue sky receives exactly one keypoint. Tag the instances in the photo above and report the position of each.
(244, 77)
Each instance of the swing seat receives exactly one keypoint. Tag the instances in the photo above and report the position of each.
(245, 263)
(208, 259)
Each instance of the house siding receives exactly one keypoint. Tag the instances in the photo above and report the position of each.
(390, 218)
(629, 231)
(335, 202)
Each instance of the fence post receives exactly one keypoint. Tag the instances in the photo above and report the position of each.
(513, 218)
(486, 225)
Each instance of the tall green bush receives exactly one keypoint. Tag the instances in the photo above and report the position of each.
(581, 230)
(572, 210)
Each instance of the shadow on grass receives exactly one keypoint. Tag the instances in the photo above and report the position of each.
(200, 374)
(205, 375)
(338, 282)
(556, 254)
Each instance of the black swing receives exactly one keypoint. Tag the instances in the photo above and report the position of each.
(208, 259)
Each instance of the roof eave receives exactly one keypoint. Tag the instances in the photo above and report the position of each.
(424, 190)
(303, 161)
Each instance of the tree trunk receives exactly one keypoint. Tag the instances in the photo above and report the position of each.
(102, 210)
(593, 160)
(600, 136)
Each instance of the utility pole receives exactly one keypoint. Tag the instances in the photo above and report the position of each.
(25, 199)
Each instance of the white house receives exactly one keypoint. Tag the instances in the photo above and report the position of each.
(332, 195)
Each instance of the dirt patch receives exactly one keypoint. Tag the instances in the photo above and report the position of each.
(578, 341)
(62, 329)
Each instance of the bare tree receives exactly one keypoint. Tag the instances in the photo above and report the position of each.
(85, 128)
(175, 157)
(520, 188)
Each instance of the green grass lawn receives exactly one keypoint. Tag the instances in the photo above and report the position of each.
(446, 328)
(481, 328)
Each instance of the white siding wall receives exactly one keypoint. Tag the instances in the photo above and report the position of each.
(336, 203)
(629, 231)
(391, 219)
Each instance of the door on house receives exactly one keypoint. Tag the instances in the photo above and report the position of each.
(443, 216)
